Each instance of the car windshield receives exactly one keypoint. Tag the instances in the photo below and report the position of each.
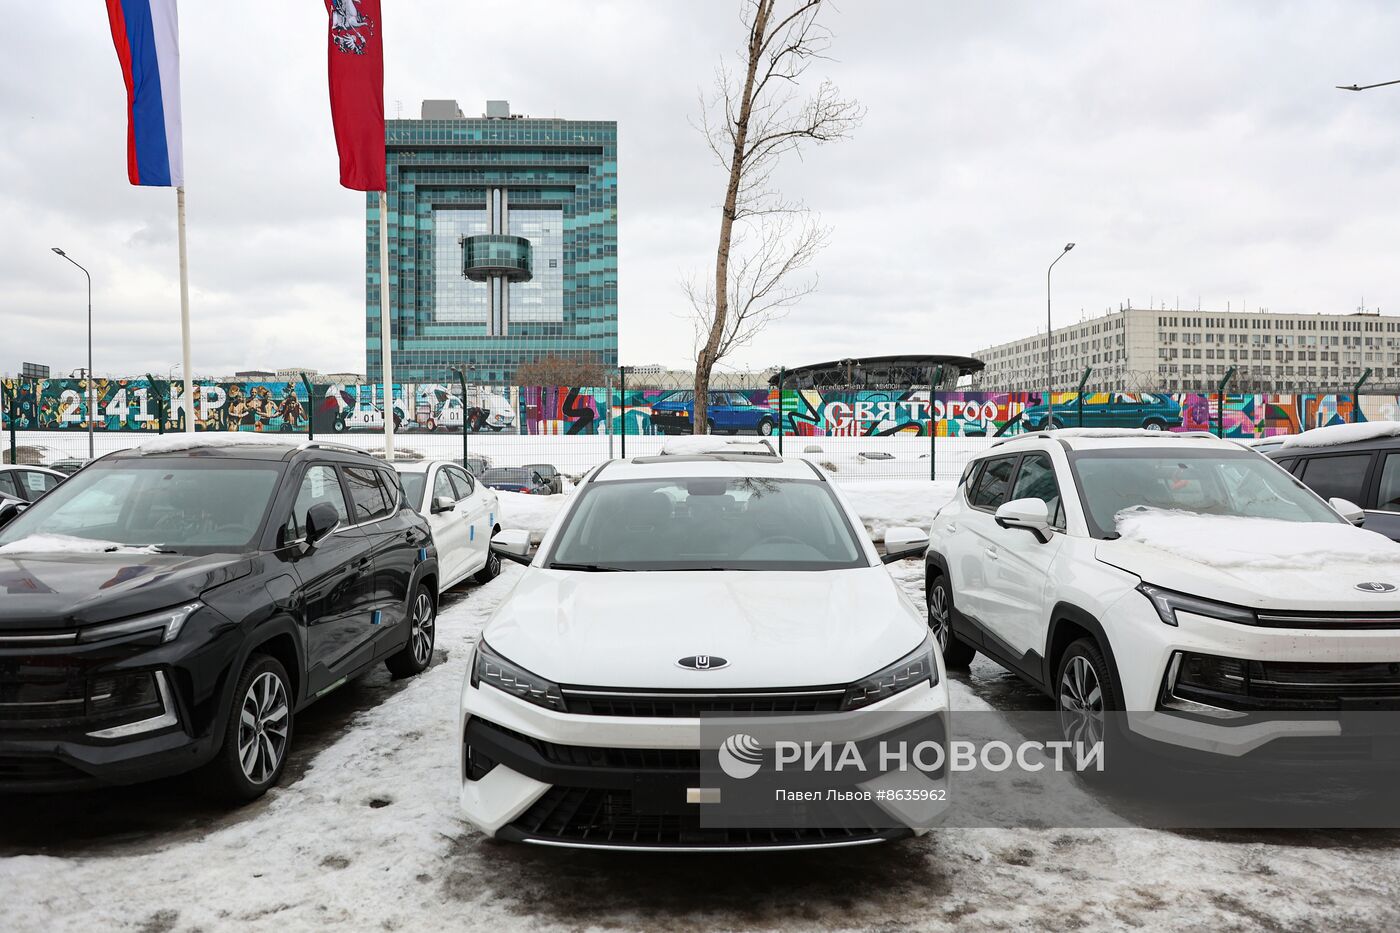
(412, 484)
(183, 504)
(713, 523)
(1206, 482)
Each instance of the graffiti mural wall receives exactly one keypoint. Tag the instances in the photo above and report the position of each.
(140, 405)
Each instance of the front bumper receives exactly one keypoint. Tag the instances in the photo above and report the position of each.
(1148, 655)
(621, 782)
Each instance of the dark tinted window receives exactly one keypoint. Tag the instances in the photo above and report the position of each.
(992, 483)
(462, 482)
(7, 483)
(1343, 476)
(318, 484)
(366, 493)
(1388, 496)
(412, 484)
(1036, 480)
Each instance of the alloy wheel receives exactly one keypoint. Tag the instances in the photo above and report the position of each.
(262, 728)
(422, 628)
(938, 615)
(1081, 702)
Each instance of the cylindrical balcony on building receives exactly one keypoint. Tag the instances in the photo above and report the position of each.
(496, 254)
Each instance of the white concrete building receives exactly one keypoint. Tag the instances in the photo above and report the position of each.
(1138, 350)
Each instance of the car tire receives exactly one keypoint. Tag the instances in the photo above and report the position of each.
(255, 746)
(415, 656)
(1154, 424)
(765, 427)
(340, 427)
(1086, 695)
(957, 654)
(492, 568)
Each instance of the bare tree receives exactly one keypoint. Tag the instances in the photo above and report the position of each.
(766, 243)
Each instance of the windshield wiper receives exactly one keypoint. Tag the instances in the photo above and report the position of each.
(589, 568)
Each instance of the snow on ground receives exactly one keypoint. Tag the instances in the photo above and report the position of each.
(1335, 434)
(1257, 543)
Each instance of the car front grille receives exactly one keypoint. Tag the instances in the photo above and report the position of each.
(47, 692)
(1301, 686)
(1329, 620)
(589, 701)
(595, 816)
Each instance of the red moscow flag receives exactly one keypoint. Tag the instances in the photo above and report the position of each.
(356, 70)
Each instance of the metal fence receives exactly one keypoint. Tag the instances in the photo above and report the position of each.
(859, 434)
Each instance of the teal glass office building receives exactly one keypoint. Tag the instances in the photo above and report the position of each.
(502, 244)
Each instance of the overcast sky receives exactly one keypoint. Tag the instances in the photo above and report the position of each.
(1194, 151)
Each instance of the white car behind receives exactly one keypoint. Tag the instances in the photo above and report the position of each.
(463, 514)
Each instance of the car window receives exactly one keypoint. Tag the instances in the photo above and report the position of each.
(442, 486)
(366, 493)
(463, 482)
(7, 483)
(1342, 476)
(990, 491)
(318, 484)
(967, 479)
(1036, 480)
(393, 489)
(413, 484)
(1388, 496)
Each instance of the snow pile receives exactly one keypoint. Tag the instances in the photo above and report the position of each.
(529, 512)
(171, 443)
(67, 544)
(883, 504)
(1231, 541)
(692, 445)
(1343, 434)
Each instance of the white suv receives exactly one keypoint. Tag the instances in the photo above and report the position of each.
(1173, 573)
(718, 580)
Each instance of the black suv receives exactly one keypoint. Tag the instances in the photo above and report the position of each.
(175, 606)
(1365, 473)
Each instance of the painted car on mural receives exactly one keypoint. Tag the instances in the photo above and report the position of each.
(363, 412)
(729, 413)
(485, 410)
(1152, 412)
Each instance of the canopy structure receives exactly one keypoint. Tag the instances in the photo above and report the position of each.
(880, 372)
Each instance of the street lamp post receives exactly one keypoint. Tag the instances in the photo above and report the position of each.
(91, 392)
(1049, 351)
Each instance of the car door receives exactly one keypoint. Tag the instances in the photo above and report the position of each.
(336, 577)
(1019, 573)
(1341, 475)
(373, 505)
(476, 502)
(1383, 509)
(974, 550)
(450, 528)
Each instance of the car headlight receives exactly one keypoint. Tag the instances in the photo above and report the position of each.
(490, 668)
(917, 667)
(165, 625)
(1168, 602)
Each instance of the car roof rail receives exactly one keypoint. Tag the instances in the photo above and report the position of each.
(1103, 434)
(331, 445)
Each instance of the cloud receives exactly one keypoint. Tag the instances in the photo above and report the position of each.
(1190, 149)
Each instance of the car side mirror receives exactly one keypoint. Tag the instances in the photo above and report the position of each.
(9, 511)
(321, 520)
(443, 504)
(513, 544)
(1032, 515)
(904, 541)
(1348, 510)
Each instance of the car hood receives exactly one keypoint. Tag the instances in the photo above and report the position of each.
(1330, 586)
(60, 591)
(775, 629)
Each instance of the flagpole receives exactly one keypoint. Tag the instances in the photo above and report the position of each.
(185, 311)
(385, 355)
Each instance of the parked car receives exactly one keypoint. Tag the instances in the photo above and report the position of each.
(1152, 412)
(28, 482)
(463, 515)
(1028, 565)
(516, 479)
(475, 464)
(1356, 462)
(752, 588)
(729, 413)
(68, 466)
(549, 473)
(175, 606)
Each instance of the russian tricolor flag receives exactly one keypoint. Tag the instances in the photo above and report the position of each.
(147, 36)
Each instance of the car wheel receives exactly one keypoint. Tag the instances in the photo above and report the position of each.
(1086, 695)
(492, 568)
(340, 426)
(258, 732)
(709, 427)
(1152, 424)
(957, 653)
(765, 427)
(417, 654)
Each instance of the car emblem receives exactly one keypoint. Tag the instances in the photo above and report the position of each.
(703, 662)
(1376, 587)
